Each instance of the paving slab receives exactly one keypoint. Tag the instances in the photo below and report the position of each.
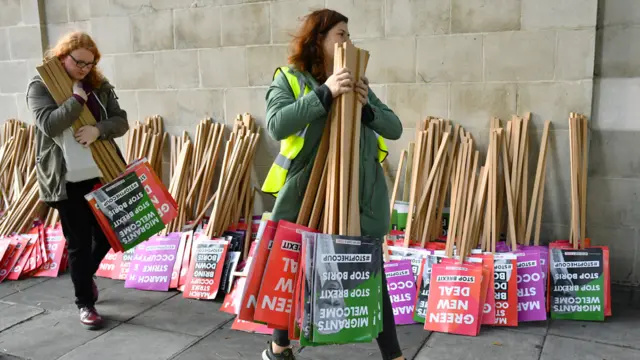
(620, 329)
(132, 342)
(9, 357)
(122, 304)
(12, 314)
(534, 327)
(490, 344)
(227, 344)
(560, 348)
(48, 336)
(55, 294)
(11, 287)
(185, 316)
(411, 338)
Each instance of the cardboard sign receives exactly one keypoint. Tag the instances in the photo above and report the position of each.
(489, 307)
(250, 327)
(414, 255)
(156, 191)
(125, 264)
(402, 290)
(12, 255)
(55, 243)
(276, 291)
(424, 286)
(256, 271)
(530, 279)
(177, 266)
(186, 258)
(455, 300)
(607, 280)
(28, 242)
(506, 289)
(231, 303)
(153, 263)
(205, 269)
(578, 284)
(110, 266)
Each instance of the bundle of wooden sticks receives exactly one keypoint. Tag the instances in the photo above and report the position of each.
(332, 193)
(579, 151)
(61, 88)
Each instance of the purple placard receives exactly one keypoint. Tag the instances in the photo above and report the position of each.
(531, 300)
(153, 263)
(544, 256)
(402, 290)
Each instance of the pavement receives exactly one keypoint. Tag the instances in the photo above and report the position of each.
(38, 320)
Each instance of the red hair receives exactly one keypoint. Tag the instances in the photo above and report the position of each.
(307, 53)
(78, 40)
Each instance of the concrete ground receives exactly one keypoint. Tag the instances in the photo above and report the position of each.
(38, 321)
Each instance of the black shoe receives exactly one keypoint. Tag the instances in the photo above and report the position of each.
(268, 354)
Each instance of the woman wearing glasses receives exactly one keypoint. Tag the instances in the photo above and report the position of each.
(87, 244)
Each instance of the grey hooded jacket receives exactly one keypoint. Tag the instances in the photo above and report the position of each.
(51, 120)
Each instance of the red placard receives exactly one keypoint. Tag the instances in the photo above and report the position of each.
(276, 292)
(455, 300)
(110, 266)
(11, 256)
(55, 243)
(185, 238)
(205, 268)
(506, 289)
(29, 243)
(256, 270)
(488, 312)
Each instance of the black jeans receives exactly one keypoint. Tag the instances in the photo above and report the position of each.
(86, 243)
(387, 339)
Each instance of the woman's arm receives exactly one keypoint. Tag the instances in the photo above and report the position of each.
(381, 118)
(50, 118)
(116, 124)
(285, 114)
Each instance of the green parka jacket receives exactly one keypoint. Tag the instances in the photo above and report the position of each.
(286, 116)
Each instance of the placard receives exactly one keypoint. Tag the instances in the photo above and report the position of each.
(402, 290)
(205, 269)
(506, 289)
(530, 279)
(153, 263)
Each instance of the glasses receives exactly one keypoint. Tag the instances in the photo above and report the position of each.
(82, 64)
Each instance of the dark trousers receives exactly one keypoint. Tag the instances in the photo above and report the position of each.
(387, 339)
(86, 243)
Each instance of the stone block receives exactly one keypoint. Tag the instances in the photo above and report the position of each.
(450, 58)
(472, 16)
(124, 304)
(614, 105)
(195, 105)
(411, 339)
(490, 344)
(25, 42)
(556, 208)
(129, 7)
(152, 31)
(609, 154)
(56, 11)
(384, 64)
(576, 54)
(48, 336)
(473, 105)
(8, 107)
(223, 67)
(288, 15)
(539, 328)
(197, 27)
(417, 17)
(14, 77)
(414, 102)
(79, 10)
(112, 34)
(30, 12)
(11, 13)
(620, 329)
(245, 24)
(622, 243)
(546, 14)
(161, 102)
(24, 113)
(13, 314)
(619, 54)
(520, 56)
(134, 71)
(177, 69)
(126, 340)
(561, 348)
(107, 66)
(56, 31)
(380, 91)
(552, 232)
(171, 4)
(98, 8)
(262, 61)
(197, 317)
(614, 202)
(554, 101)
(4, 44)
(241, 100)
(226, 343)
(366, 17)
(128, 101)
(618, 12)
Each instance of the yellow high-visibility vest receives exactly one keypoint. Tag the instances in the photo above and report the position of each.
(292, 145)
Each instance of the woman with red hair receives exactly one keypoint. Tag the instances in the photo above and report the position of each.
(61, 188)
(298, 104)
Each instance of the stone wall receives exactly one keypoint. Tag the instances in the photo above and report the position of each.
(464, 60)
